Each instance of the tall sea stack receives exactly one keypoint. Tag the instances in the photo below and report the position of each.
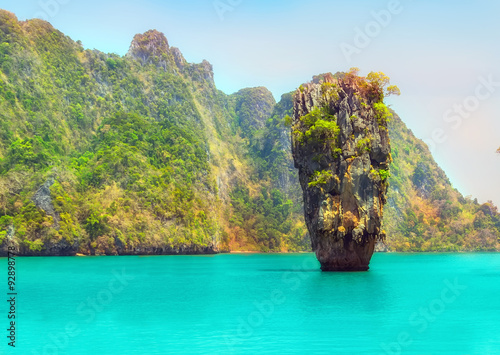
(341, 147)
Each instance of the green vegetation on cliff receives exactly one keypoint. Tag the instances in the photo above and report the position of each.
(101, 153)
(123, 140)
(424, 212)
(138, 154)
(271, 219)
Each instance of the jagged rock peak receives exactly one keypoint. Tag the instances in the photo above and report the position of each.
(149, 45)
(208, 70)
(179, 59)
(340, 145)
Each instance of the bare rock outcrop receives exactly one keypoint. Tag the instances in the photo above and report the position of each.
(43, 200)
(150, 47)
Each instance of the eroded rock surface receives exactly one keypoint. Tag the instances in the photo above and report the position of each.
(43, 200)
(341, 147)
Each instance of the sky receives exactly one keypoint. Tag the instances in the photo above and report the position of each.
(443, 55)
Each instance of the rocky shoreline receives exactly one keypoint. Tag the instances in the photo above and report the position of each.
(65, 249)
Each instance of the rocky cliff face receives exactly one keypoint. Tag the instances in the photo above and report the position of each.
(43, 200)
(341, 147)
(146, 156)
(150, 47)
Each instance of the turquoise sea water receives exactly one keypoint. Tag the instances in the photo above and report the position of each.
(256, 304)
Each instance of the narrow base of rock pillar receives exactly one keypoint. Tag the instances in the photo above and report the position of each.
(346, 255)
(328, 267)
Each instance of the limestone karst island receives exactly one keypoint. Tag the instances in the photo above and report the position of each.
(141, 154)
(249, 177)
(341, 147)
